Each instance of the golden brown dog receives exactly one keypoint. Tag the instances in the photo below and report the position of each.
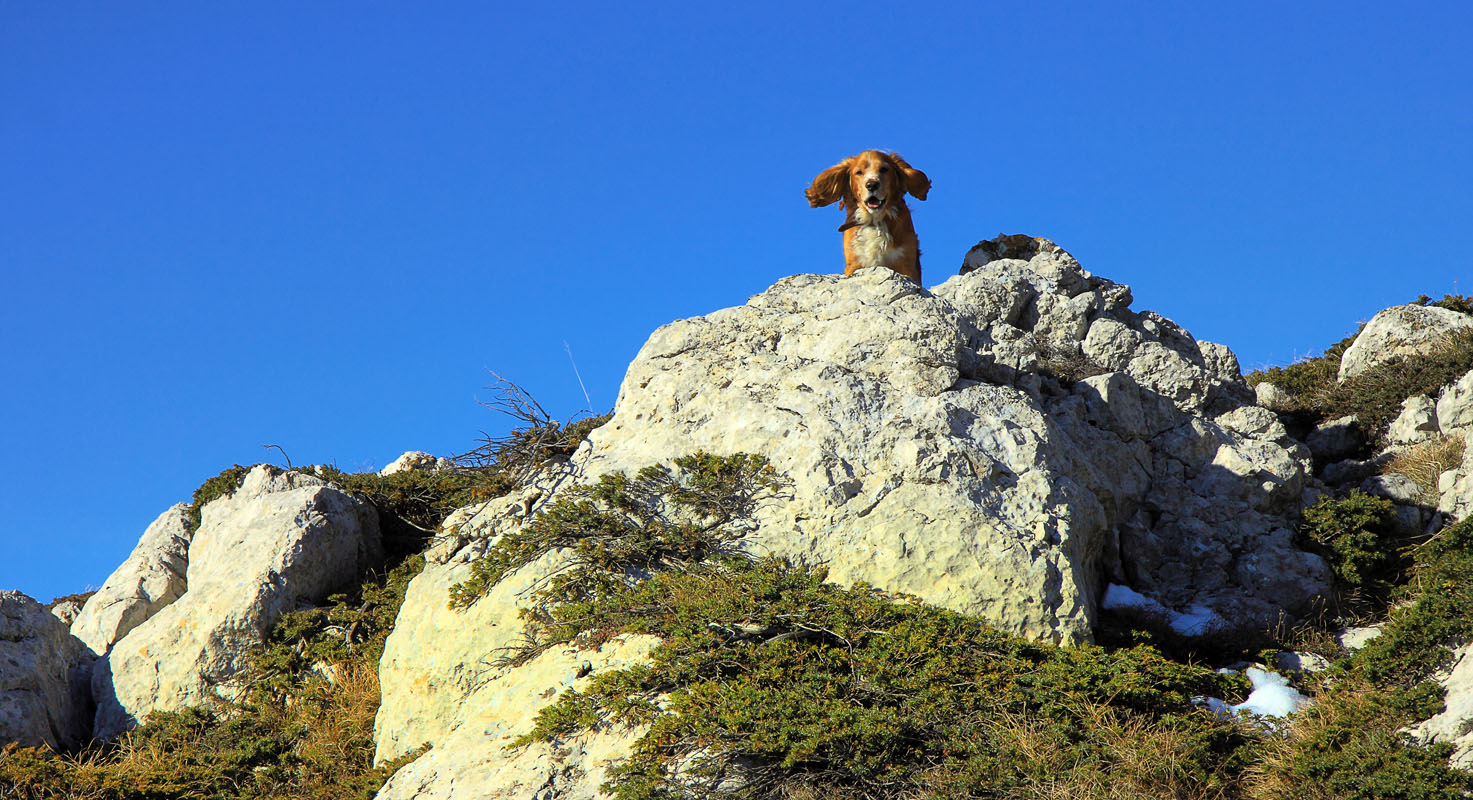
(871, 188)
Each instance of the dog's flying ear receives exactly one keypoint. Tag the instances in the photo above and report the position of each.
(830, 185)
(916, 181)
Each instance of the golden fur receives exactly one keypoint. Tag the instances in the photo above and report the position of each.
(870, 188)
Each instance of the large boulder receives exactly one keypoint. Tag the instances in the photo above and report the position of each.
(1398, 332)
(281, 540)
(150, 578)
(43, 677)
(1006, 444)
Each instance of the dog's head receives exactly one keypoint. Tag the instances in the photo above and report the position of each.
(869, 183)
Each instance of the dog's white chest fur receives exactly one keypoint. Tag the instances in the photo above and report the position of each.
(874, 247)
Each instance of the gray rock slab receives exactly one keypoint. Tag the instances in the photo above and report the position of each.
(43, 677)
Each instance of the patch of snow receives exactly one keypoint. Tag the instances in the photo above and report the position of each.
(1195, 621)
(1272, 696)
(1118, 597)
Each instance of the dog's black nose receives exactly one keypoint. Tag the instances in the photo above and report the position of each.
(871, 185)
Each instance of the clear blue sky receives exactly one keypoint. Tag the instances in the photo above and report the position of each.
(317, 225)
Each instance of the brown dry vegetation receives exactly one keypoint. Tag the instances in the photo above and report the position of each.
(1426, 461)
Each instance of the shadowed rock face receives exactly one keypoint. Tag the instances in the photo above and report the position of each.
(1005, 444)
(43, 677)
(280, 540)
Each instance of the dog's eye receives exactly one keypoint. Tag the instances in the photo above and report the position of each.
(884, 170)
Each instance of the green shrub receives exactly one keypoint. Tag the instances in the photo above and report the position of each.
(1349, 746)
(620, 527)
(1436, 613)
(222, 485)
(794, 684)
(1357, 534)
(1452, 302)
(411, 504)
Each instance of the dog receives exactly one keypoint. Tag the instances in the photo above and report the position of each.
(871, 189)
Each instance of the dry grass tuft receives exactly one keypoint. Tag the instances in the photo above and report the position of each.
(1138, 757)
(1426, 461)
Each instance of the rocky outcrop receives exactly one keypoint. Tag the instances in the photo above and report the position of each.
(1005, 444)
(150, 578)
(1398, 332)
(1000, 445)
(279, 540)
(1455, 724)
(43, 677)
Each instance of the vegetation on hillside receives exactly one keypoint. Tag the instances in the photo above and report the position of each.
(770, 682)
(298, 721)
(1374, 397)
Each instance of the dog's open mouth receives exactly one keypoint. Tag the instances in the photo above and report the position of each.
(873, 203)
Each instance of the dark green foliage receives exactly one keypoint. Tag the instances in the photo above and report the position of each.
(1357, 534)
(1374, 397)
(1309, 377)
(1351, 748)
(222, 485)
(768, 671)
(353, 627)
(1436, 615)
(1462, 304)
(412, 503)
(620, 528)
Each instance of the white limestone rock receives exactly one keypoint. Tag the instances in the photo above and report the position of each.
(1417, 421)
(1400, 331)
(416, 461)
(443, 686)
(1455, 724)
(926, 454)
(1455, 489)
(470, 758)
(151, 577)
(280, 540)
(1355, 638)
(43, 677)
(1455, 406)
(1273, 398)
(1393, 486)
